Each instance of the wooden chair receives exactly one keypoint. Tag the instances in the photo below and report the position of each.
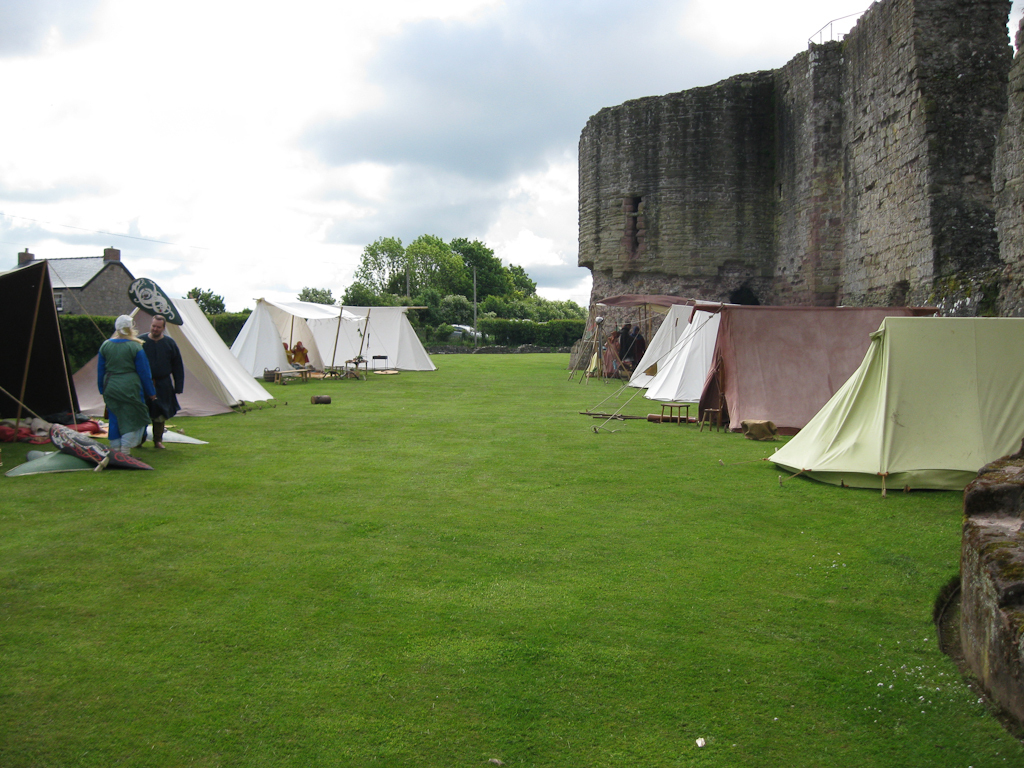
(708, 413)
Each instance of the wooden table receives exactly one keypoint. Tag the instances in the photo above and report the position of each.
(676, 410)
(282, 377)
(342, 372)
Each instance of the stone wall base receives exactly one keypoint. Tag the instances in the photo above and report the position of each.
(992, 582)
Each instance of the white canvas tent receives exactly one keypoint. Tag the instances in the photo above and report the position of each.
(671, 330)
(683, 370)
(933, 401)
(214, 379)
(331, 334)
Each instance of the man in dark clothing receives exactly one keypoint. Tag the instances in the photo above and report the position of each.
(168, 374)
(626, 347)
(638, 346)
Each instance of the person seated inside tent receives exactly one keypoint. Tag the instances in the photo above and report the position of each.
(300, 355)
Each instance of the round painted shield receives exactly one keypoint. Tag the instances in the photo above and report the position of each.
(147, 296)
(75, 444)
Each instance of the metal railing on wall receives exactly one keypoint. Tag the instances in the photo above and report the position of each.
(830, 30)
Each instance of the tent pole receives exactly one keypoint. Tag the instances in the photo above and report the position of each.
(28, 354)
(587, 348)
(366, 329)
(334, 353)
(291, 333)
(64, 360)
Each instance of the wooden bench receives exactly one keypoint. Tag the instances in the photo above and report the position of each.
(283, 377)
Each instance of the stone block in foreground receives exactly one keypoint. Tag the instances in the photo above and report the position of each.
(992, 581)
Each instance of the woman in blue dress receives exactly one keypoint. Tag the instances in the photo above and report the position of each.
(124, 379)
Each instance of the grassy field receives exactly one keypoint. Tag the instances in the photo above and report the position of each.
(440, 569)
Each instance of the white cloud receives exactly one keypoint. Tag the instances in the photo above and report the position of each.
(270, 144)
(774, 29)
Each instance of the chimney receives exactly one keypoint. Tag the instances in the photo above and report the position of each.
(111, 254)
(25, 257)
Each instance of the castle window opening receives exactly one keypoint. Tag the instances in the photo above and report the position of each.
(633, 230)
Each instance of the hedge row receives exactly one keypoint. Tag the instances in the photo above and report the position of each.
(228, 324)
(83, 334)
(553, 333)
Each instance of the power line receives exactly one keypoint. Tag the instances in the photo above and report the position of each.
(98, 231)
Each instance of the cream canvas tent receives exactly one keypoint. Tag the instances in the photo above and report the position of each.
(260, 345)
(331, 334)
(782, 364)
(672, 328)
(933, 401)
(684, 369)
(214, 380)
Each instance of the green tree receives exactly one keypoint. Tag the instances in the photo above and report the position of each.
(316, 295)
(431, 299)
(494, 305)
(542, 310)
(456, 310)
(521, 281)
(208, 301)
(382, 266)
(359, 295)
(492, 279)
(436, 266)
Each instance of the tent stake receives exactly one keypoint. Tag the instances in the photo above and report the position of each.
(791, 476)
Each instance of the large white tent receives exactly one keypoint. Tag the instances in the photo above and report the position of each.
(331, 334)
(683, 368)
(933, 401)
(672, 328)
(214, 380)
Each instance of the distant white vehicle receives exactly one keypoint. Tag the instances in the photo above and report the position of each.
(465, 331)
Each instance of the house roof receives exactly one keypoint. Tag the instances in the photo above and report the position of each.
(76, 272)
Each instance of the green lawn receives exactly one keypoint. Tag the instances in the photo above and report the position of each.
(442, 568)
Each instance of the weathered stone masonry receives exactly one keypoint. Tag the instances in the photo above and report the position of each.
(861, 173)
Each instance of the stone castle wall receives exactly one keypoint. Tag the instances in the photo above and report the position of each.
(678, 187)
(859, 174)
(808, 175)
(1008, 185)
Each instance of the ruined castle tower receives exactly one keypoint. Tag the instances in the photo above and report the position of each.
(860, 173)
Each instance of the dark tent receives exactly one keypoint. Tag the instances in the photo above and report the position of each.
(33, 368)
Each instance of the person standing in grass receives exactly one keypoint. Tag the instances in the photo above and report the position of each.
(611, 355)
(168, 374)
(123, 378)
(638, 345)
(626, 348)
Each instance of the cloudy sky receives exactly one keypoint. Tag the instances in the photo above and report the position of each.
(256, 148)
